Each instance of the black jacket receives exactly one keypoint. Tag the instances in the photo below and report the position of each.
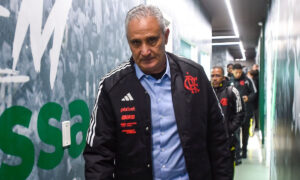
(256, 83)
(123, 151)
(231, 104)
(245, 87)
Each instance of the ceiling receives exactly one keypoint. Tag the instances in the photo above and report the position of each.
(247, 13)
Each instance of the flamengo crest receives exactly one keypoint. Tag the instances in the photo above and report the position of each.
(190, 83)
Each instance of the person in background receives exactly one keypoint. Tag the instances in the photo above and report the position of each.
(255, 67)
(253, 122)
(156, 116)
(255, 75)
(229, 71)
(231, 103)
(248, 93)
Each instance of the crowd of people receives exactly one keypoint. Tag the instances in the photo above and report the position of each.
(238, 96)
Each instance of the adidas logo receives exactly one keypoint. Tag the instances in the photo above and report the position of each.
(127, 97)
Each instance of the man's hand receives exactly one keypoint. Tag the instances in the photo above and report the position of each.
(245, 98)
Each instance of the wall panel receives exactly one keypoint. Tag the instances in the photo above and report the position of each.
(52, 55)
(282, 90)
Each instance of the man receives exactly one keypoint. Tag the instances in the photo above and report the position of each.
(231, 104)
(156, 117)
(248, 93)
(229, 71)
(255, 67)
(255, 75)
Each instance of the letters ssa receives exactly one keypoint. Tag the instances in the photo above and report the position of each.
(22, 147)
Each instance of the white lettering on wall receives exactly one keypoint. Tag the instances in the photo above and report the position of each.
(4, 12)
(30, 16)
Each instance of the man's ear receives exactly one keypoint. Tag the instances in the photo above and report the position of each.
(166, 34)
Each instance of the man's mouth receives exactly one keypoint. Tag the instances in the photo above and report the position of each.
(147, 59)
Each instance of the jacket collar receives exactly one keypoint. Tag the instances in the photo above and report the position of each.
(222, 86)
(140, 74)
(174, 67)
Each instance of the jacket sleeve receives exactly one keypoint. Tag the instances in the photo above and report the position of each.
(218, 144)
(99, 152)
(237, 110)
(251, 90)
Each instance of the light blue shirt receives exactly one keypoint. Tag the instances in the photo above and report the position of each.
(167, 155)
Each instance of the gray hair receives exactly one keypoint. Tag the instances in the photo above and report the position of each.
(142, 11)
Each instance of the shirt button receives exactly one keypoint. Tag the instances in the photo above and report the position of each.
(148, 165)
(147, 128)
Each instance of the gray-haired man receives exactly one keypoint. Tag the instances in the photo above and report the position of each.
(156, 116)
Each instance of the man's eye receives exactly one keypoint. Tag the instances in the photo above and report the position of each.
(215, 75)
(152, 40)
(135, 43)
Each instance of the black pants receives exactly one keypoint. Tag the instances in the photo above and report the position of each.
(237, 144)
(245, 131)
(232, 163)
(256, 117)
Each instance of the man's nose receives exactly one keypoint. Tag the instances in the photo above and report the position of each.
(145, 50)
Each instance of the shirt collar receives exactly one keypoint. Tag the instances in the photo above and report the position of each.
(140, 74)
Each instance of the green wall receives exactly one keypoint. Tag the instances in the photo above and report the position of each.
(282, 90)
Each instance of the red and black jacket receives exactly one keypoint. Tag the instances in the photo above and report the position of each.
(119, 137)
(246, 87)
(231, 104)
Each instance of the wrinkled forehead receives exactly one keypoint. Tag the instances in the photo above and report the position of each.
(143, 27)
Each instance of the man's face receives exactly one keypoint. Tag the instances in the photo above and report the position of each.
(237, 73)
(255, 67)
(229, 69)
(147, 44)
(216, 77)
